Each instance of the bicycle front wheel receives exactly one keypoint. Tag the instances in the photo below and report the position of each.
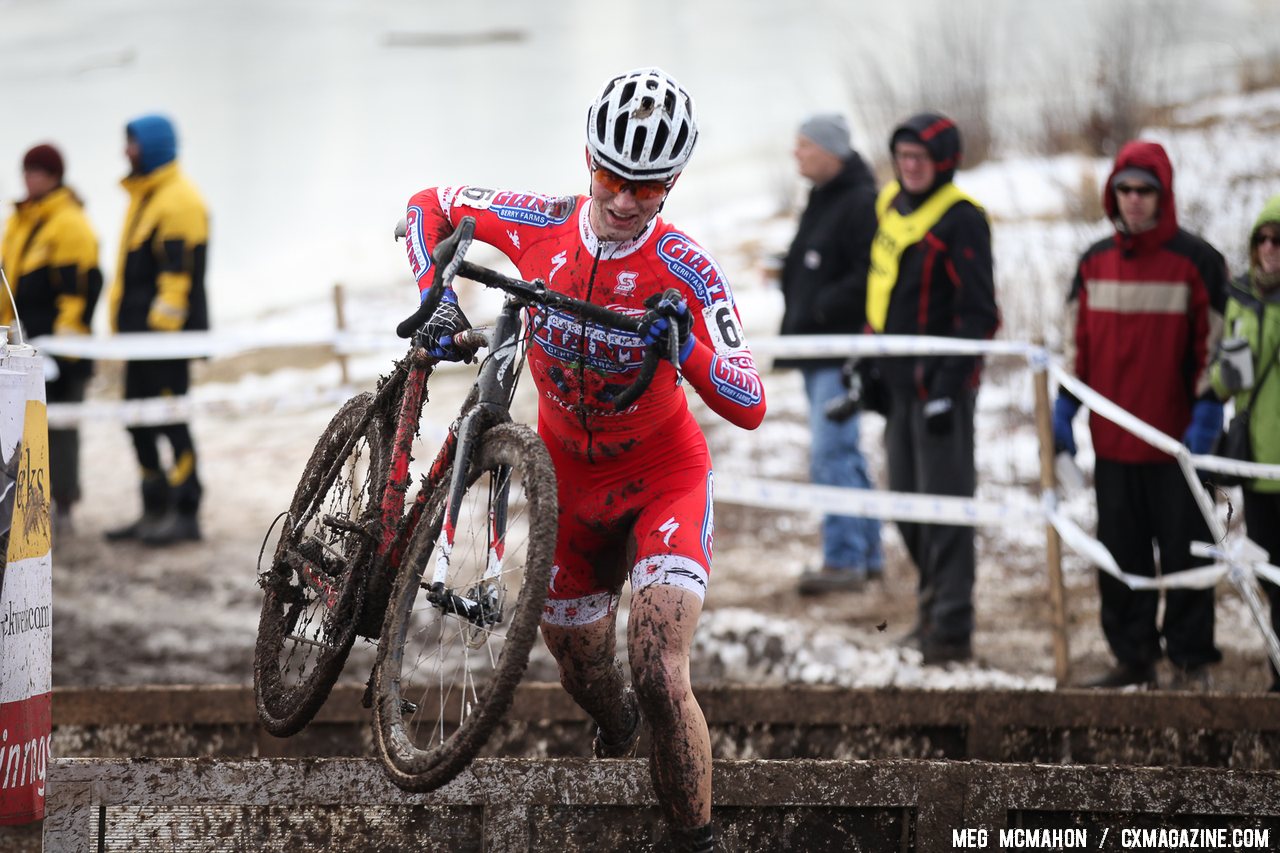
(313, 589)
(459, 629)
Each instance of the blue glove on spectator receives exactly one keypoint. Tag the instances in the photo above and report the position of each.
(1064, 411)
(657, 323)
(447, 321)
(1205, 427)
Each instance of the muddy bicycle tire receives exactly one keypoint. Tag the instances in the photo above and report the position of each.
(424, 659)
(303, 642)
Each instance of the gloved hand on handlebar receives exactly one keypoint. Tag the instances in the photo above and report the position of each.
(447, 321)
(665, 313)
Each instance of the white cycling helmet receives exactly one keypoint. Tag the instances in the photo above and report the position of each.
(642, 126)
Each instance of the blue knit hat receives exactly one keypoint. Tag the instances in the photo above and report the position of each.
(157, 140)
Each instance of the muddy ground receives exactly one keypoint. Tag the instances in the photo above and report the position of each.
(129, 614)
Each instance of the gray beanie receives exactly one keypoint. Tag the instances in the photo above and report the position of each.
(829, 131)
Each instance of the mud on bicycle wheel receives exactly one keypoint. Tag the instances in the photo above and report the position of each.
(443, 679)
(314, 587)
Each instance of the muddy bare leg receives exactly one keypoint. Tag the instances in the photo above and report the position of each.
(589, 671)
(659, 636)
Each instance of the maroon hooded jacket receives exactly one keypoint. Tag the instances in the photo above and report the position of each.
(1147, 312)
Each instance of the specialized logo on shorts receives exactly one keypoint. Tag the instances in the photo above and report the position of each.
(689, 263)
(669, 528)
(515, 237)
(606, 350)
(626, 282)
(742, 386)
(708, 518)
(415, 245)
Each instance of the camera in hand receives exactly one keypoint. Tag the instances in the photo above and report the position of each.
(840, 409)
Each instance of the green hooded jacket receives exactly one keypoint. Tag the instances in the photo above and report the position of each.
(1254, 314)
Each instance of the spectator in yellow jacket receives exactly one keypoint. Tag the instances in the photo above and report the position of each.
(159, 287)
(50, 257)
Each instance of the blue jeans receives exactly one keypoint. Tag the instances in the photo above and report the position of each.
(836, 460)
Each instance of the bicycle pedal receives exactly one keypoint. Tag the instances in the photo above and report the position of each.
(407, 708)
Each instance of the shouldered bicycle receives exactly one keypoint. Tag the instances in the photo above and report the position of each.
(453, 587)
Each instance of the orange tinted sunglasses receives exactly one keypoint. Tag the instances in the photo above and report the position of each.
(642, 190)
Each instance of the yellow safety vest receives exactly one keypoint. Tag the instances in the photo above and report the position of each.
(896, 232)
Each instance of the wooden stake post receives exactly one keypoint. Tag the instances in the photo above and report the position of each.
(1048, 483)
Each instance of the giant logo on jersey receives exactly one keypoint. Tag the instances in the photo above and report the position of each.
(688, 262)
(740, 384)
(415, 245)
(533, 209)
(605, 350)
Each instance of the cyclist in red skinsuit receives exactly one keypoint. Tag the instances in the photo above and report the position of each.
(635, 487)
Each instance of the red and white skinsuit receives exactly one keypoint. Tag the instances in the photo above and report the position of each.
(635, 487)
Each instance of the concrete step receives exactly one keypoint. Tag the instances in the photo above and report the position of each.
(568, 805)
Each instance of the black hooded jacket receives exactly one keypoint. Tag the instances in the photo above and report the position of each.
(945, 285)
(824, 276)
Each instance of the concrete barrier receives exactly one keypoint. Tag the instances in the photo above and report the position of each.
(1061, 727)
(570, 805)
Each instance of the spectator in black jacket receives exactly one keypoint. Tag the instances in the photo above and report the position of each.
(824, 282)
(931, 274)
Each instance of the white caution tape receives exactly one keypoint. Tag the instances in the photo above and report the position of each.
(154, 346)
(866, 503)
(1100, 405)
(867, 346)
(156, 411)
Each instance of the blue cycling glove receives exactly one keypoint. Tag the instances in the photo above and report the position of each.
(1205, 427)
(1064, 411)
(657, 323)
(447, 321)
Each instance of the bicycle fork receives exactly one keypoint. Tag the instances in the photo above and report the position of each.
(480, 605)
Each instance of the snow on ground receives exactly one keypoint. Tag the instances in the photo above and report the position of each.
(129, 615)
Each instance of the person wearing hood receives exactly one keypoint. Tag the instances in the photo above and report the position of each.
(1252, 319)
(159, 287)
(1145, 315)
(931, 274)
(50, 257)
(824, 286)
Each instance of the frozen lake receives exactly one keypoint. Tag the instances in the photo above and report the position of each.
(308, 124)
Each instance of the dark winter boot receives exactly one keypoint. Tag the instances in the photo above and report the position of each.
(155, 505)
(698, 839)
(175, 526)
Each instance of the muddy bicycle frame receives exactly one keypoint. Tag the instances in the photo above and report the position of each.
(486, 406)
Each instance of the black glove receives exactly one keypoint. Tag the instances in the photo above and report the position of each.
(447, 321)
(875, 394)
(840, 409)
(667, 311)
(939, 416)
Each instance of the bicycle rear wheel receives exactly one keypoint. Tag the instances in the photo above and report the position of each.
(314, 587)
(452, 654)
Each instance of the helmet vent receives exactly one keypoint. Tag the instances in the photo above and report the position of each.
(681, 136)
(602, 125)
(637, 143)
(660, 137)
(620, 132)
